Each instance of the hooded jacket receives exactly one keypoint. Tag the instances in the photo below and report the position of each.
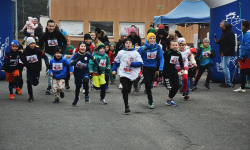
(59, 68)
(135, 39)
(52, 40)
(102, 36)
(245, 44)
(150, 55)
(227, 41)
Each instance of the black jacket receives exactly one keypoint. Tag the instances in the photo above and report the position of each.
(32, 59)
(103, 37)
(192, 71)
(119, 46)
(227, 42)
(56, 35)
(164, 42)
(167, 59)
(11, 61)
(135, 39)
(38, 32)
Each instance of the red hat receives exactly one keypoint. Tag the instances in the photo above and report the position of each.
(193, 50)
(133, 29)
(161, 26)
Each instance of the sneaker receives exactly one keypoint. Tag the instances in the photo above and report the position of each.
(145, 92)
(225, 85)
(207, 86)
(194, 88)
(183, 95)
(107, 88)
(139, 87)
(83, 91)
(31, 98)
(61, 94)
(171, 103)
(67, 86)
(19, 91)
(75, 101)
(155, 84)
(12, 96)
(151, 104)
(86, 99)
(127, 109)
(56, 100)
(240, 90)
(48, 91)
(120, 86)
(186, 97)
(136, 90)
(103, 101)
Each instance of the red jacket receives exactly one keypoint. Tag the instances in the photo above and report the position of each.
(111, 57)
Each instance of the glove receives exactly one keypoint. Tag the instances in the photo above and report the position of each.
(168, 86)
(48, 66)
(80, 58)
(99, 70)
(90, 75)
(108, 71)
(160, 73)
(243, 58)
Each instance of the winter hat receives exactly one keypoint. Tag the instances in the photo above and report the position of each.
(150, 35)
(87, 36)
(35, 18)
(14, 42)
(30, 40)
(123, 33)
(193, 50)
(127, 39)
(161, 32)
(30, 19)
(58, 49)
(98, 30)
(152, 30)
(171, 32)
(111, 43)
(206, 40)
(100, 45)
(133, 29)
(161, 26)
(182, 41)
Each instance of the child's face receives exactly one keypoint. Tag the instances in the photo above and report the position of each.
(106, 48)
(51, 27)
(32, 45)
(93, 36)
(112, 47)
(206, 44)
(181, 46)
(88, 41)
(194, 54)
(68, 42)
(132, 33)
(174, 46)
(128, 45)
(124, 37)
(82, 48)
(14, 48)
(151, 40)
(58, 55)
(101, 50)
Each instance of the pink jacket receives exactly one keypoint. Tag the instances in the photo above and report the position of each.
(30, 26)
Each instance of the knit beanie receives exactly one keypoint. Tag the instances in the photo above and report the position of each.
(133, 29)
(123, 33)
(206, 40)
(30, 40)
(152, 30)
(98, 30)
(58, 49)
(14, 42)
(193, 50)
(161, 26)
(182, 41)
(100, 45)
(161, 32)
(30, 19)
(111, 43)
(171, 32)
(150, 35)
(87, 36)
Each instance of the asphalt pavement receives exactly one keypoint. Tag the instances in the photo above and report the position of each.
(215, 119)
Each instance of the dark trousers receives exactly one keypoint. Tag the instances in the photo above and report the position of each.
(243, 73)
(67, 77)
(173, 80)
(107, 77)
(126, 88)
(32, 79)
(148, 74)
(21, 78)
(201, 70)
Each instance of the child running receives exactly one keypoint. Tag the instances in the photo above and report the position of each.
(170, 73)
(58, 71)
(98, 70)
(130, 62)
(80, 61)
(111, 59)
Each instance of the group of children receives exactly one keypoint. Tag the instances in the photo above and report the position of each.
(96, 61)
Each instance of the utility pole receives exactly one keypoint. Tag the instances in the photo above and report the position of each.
(23, 13)
(16, 23)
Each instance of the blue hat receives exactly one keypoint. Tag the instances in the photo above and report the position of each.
(14, 42)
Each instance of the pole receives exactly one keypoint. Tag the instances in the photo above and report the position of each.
(16, 23)
(23, 13)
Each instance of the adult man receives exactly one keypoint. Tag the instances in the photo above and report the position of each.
(101, 34)
(51, 38)
(38, 31)
(227, 45)
(245, 54)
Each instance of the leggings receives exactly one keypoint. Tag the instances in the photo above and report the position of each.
(174, 82)
(86, 87)
(148, 74)
(126, 88)
(243, 73)
(201, 70)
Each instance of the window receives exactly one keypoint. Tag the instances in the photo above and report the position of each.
(73, 28)
(140, 28)
(108, 27)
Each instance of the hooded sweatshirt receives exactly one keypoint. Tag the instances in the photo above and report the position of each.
(150, 55)
(52, 40)
(59, 67)
(11, 61)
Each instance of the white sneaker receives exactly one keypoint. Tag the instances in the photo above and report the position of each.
(239, 90)
(120, 86)
(103, 101)
(83, 91)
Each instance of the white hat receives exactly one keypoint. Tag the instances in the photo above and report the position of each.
(123, 33)
(30, 40)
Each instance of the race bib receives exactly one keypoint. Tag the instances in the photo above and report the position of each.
(204, 54)
(20, 61)
(15, 61)
(81, 65)
(57, 66)
(32, 59)
(174, 59)
(151, 55)
(102, 63)
(128, 69)
(184, 60)
(190, 65)
(52, 42)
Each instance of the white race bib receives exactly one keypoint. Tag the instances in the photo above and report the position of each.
(81, 65)
(190, 65)
(57, 66)
(174, 59)
(151, 55)
(15, 61)
(52, 42)
(32, 59)
(102, 63)
(204, 54)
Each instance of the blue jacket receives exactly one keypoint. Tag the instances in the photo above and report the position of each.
(245, 45)
(200, 53)
(150, 55)
(59, 68)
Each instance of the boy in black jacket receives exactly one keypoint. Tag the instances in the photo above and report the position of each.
(51, 38)
(32, 58)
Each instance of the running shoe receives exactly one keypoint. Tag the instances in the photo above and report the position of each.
(86, 99)
(56, 100)
(171, 103)
(127, 109)
(19, 91)
(103, 101)
(75, 101)
(12, 96)
(240, 90)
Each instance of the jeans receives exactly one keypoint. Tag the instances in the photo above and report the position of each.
(190, 84)
(225, 60)
(49, 78)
